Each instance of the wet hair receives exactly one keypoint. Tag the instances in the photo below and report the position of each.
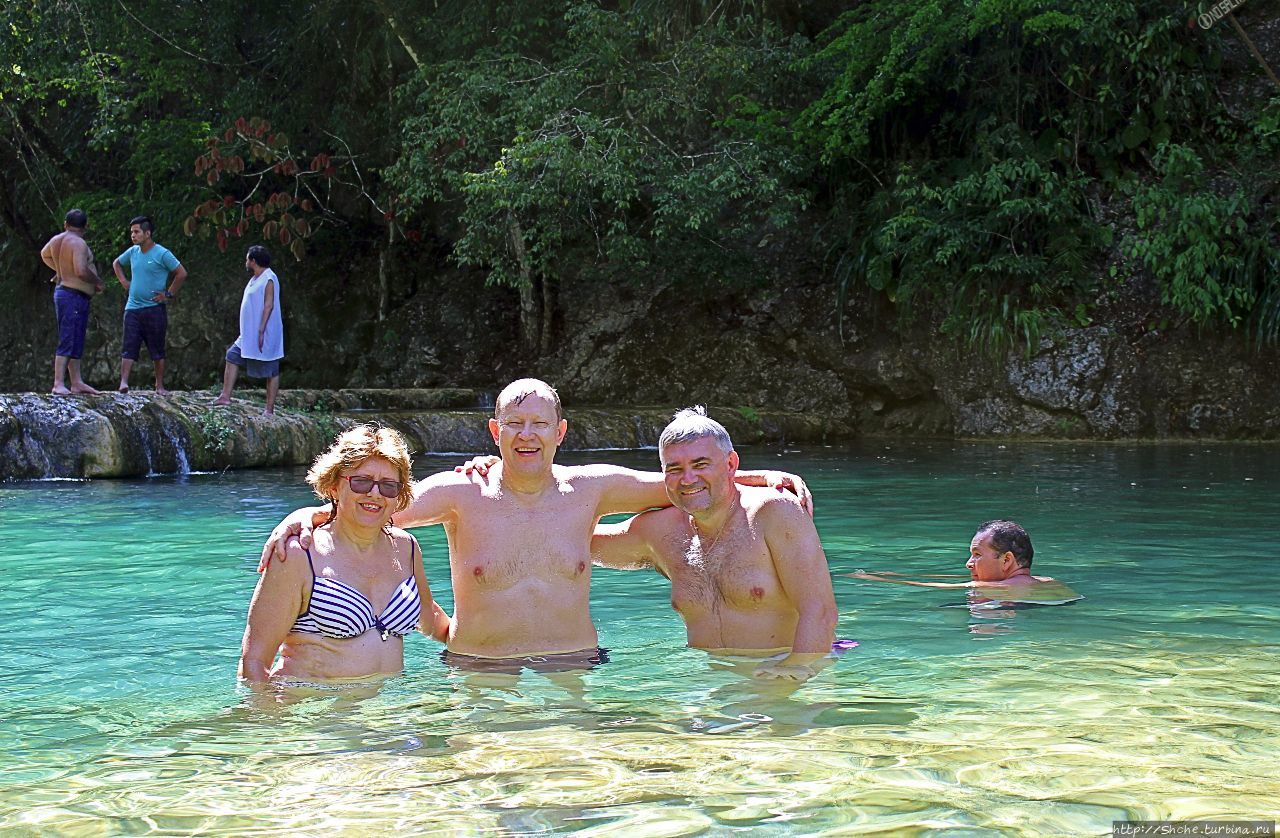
(1008, 537)
(77, 220)
(143, 222)
(352, 448)
(517, 391)
(693, 423)
(260, 255)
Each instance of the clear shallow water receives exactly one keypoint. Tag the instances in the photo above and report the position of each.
(122, 606)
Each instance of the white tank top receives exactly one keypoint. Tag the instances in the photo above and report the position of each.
(251, 305)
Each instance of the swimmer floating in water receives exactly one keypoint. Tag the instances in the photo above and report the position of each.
(1000, 566)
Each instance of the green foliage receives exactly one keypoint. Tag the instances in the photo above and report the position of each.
(954, 157)
(991, 248)
(1099, 80)
(215, 431)
(624, 150)
(1210, 246)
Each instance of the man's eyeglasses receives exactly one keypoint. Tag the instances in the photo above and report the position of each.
(364, 485)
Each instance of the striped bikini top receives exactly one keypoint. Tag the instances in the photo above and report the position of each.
(338, 610)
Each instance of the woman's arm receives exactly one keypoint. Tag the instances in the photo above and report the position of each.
(277, 601)
(432, 622)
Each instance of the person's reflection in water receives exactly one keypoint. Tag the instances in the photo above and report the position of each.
(743, 702)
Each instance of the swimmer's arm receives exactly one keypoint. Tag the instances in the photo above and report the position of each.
(433, 622)
(435, 499)
(297, 524)
(276, 604)
(780, 480)
(872, 577)
(621, 546)
(801, 566)
(628, 490)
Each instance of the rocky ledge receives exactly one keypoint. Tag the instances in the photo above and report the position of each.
(140, 433)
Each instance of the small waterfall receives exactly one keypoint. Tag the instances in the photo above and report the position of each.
(174, 436)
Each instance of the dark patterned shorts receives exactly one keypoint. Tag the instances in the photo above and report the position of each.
(567, 662)
(145, 325)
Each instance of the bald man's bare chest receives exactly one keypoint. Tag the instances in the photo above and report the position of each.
(499, 541)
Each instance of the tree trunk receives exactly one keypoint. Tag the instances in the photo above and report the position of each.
(529, 325)
(398, 31)
(549, 309)
(384, 278)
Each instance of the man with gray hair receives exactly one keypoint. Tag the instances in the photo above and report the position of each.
(747, 570)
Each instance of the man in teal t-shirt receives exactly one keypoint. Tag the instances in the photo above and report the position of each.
(146, 314)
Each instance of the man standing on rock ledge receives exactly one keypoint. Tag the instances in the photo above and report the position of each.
(146, 314)
(76, 279)
(520, 541)
(260, 345)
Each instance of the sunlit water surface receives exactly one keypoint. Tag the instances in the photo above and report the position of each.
(123, 602)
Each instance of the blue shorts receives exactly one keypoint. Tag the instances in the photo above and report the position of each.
(72, 309)
(145, 325)
(253, 368)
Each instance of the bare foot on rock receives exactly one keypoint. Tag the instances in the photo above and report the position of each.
(60, 390)
(160, 391)
(124, 388)
(85, 389)
(220, 400)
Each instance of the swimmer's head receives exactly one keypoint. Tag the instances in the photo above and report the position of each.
(521, 389)
(999, 550)
(353, 448)
(693, 423)
(1008, 537)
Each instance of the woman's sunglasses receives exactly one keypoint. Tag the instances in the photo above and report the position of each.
(364, 485)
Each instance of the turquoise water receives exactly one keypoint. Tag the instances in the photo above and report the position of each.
(123, 603)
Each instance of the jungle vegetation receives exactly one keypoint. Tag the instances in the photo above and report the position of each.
(993, 167)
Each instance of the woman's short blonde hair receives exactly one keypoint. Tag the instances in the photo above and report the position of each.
(353, 447)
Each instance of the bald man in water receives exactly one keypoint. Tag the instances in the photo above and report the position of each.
(748, 573)
(520, 540)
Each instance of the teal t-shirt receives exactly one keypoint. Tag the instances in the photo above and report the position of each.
(148, 273)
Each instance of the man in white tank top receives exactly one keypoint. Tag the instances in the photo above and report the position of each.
(260, 345)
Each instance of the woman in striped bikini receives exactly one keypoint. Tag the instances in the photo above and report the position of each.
(343, 608)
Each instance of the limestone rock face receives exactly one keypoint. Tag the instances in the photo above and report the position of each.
(765, 349)
(139, 433)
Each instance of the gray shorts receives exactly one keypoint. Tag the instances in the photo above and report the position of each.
(253, 368)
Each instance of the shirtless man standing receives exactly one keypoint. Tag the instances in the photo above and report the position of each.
(520, 541)
(69, 257)
(747, 570)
